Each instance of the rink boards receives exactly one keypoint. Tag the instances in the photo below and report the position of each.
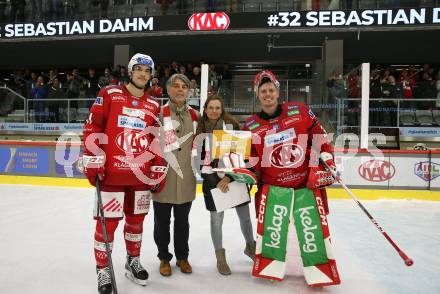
(333, 193)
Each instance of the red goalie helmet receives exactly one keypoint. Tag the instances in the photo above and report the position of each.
(262, 76)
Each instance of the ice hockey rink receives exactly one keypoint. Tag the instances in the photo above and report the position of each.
(46, 246)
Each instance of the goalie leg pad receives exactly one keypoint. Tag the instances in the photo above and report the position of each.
(274, 213)
(313, 234)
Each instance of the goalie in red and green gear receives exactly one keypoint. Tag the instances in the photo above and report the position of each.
(288, 141)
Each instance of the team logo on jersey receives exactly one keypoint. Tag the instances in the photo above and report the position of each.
(133, 112)
(98, 101)
(134, 123)
(287, 155)
(132, 142)
(426, 170)
(284, 136)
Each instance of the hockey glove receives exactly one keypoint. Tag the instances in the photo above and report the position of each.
(320, 176)
(157, 178)
(235, 169)
(94, 166)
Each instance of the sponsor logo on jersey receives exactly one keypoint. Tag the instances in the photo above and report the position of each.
(276, 127)
(133, 123)
(254, 126)
(284, 136)
(133, 112)
(376, 170)
(262, 130)
(149, 106)
(208, 21)
(132, 142)
(286, 155)
(114, 90)
(274, 231)
(292, 107)
(142, 201)
(118, 98)
(426, 170)
(127, 162)
(290, 176)
(292, 112)
(311, 114)
(291, 120)
(135, 103)
(98, 101)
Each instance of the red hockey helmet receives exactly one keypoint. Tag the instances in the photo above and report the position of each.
(265, 74)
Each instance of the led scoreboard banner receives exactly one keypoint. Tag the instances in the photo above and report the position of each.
(221, 21)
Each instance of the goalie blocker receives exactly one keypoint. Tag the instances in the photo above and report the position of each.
(278, 206)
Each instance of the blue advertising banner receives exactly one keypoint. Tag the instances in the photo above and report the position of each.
(24, 160)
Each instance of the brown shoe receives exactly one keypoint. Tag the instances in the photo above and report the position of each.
(165, 268)
(184, 265)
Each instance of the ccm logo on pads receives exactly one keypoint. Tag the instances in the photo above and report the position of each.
(208, 21)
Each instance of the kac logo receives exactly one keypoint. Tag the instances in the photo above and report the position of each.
(208, 21)
(376, 170)
(287, 155)
(426, 170)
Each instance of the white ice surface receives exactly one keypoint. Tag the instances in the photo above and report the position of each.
(46, 246)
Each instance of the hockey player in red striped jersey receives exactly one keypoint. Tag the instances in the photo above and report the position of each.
(287, 143)
(122, 150)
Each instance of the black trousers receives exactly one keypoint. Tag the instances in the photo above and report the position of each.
(162, 221)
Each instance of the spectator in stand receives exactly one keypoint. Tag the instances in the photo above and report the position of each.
(407, 85)
(17, 11)
(390, 90)
(194, 91)
(213, 76)
(105, 79)
(197, 75)
(189, 71)
(335, 84)
(155, 90)
(182, 70)
(165, 77)
(123, 76)
(39, 92)
(426, 69)
(174, 67)
(384, 77)
(91, 86)
(55, 92)
(72, 86)
(31, 81)
(427, 90)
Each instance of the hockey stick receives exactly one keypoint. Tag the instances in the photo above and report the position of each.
(408, 261)
(104, 228)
